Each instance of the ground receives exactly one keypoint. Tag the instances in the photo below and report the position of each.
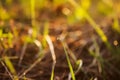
(81, 41)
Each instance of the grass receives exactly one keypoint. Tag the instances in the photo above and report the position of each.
(43, 24)
(91, 21)
(95, 52)
(10, 66)
(69, 63)
(53, 55)
(6, 60)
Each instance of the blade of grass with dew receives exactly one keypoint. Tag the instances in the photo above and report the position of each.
(91, 21)
(53, 55)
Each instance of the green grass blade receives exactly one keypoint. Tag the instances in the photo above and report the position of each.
(68, 60)
(52, 74)
(33, 12)
(45, 33)
(11, 67)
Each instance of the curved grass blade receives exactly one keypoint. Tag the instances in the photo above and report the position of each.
(53, 55)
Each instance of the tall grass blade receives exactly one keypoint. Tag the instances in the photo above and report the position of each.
(53, 55)
(11, 67)
(45, 33)
(61, 38)
(68, 60)
(33, 12)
